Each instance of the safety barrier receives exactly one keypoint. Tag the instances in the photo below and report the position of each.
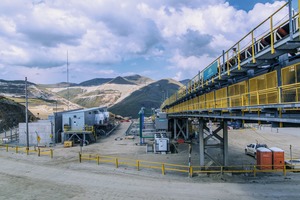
(260, 90)
(190, 170)
(36, 150)
(138, 164)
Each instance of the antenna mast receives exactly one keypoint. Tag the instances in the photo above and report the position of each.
(68, 94)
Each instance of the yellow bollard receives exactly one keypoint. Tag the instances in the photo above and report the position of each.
(191, 171)
(16, 149)
(79, 157)
(254, 170)
(98, 160)
(284, 170)
(138, 165)
(117, 164)
(163, 169)
(51, 153)
(27, 150)
(39, 152)
(7, 148)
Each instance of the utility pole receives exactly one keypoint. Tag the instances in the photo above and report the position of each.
(68, 79)
(26, 115)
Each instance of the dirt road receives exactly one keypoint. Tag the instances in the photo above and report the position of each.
(32, 177)
(21, 180)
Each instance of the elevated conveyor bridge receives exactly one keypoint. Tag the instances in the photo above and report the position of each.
(255, 80)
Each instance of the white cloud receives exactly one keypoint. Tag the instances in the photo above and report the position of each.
(102, 36)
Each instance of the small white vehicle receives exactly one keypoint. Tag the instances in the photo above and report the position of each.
(251, 149)
(293, 164)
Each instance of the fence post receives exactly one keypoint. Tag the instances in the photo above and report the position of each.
(39, 152)
(117, 164)
(6, 147)
(79, 157)
(254, 170)
(16, 149)
(284, 170)
(138, 165)
(98, 160)
(163, 169)
(191, 171)
(221, 169)
(51, 153)
(27, 150)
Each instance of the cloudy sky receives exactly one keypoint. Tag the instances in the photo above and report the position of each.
(105, 38)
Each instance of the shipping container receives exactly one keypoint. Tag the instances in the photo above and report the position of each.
(277, 158)
(263, 158)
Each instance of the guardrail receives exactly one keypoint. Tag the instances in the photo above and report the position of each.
(190, 170)
(38, 150)
(138, 164)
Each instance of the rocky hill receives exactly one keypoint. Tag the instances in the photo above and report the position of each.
(105, 94)
(150, 96)
(122, 81)
(125, 95)
(95, 82)
(11, 113)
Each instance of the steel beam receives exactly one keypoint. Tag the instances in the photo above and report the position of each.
(201, 142)
(225, 143)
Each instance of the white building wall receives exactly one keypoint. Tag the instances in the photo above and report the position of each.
(43, 129)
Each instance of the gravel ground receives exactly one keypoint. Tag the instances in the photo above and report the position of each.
(63, 177)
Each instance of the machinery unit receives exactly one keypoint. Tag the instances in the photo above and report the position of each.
(161, 121)
(162, 143)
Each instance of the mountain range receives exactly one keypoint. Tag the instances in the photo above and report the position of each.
(122, 95)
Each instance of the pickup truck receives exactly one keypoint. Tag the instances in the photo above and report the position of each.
(251, 149)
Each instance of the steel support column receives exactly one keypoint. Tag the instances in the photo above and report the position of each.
(182, 126)
(175, 128)
(225, 144)
(201, 142)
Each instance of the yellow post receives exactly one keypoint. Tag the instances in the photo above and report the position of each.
(16, 149)
(284, 170)
(163, 169)
(272, 36)
(253, 50)
(279, 95)
(39, 152)
(98, 160)
(27, 150)
(138, 165)
(51, 153)
(254, 170)
(117, 163)
(79, 157)
(191, 171)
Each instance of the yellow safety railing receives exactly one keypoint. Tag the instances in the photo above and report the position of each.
(190, 170)
(260, 90)
(138, 164)
(36, 150)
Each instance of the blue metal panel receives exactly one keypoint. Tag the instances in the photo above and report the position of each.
(210, 71)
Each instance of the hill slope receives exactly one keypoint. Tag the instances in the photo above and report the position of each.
(95, 82)
(150, 96)
(11, 113)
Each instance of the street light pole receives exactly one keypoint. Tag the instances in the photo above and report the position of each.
(26, 115)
